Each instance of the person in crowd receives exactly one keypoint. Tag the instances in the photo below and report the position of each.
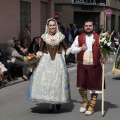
(16, 58)
(116, 65)
(116, 40)
(69, 41)
(68, 36)
(71, 25)
(7, 64)
(89, 70)
(61, 28)
(119, 37)
(25, 35)
(74, 31)
(3, 79)
(49, 82)
(25, 44)
(101, 29)
(79, 31)
(35, 45)
(19, 48)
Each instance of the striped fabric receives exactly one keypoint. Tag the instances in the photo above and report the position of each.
(92, 102)
(83, 93)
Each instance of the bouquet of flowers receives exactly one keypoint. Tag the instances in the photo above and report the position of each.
(31, 58)
(106, 44)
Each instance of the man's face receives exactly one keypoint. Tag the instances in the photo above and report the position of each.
(88, 27)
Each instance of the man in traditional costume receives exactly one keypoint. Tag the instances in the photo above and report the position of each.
(89, 70)
(49, 82)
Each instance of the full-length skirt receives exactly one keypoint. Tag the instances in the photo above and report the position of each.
(49, 82)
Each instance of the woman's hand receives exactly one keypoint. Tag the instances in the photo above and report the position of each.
(39, 54)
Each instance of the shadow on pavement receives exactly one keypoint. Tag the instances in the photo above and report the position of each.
(116, 78)
(107, 106)
(43, 108)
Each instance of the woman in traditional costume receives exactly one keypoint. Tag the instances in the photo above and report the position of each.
(49, 82)
(116, 65)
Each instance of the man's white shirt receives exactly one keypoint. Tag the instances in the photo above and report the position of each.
(75, 46)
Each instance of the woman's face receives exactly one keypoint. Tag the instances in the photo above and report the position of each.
(52, 26)
(17, 42)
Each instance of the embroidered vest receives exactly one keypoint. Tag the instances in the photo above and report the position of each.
(95, 48)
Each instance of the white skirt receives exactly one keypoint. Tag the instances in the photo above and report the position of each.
(49, 82)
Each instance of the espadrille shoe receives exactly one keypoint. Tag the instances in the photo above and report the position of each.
(83, 110)
(87, 113)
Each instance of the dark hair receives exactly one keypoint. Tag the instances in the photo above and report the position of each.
(71, 25)
(33, 42)
(89, 21)
(58, 23)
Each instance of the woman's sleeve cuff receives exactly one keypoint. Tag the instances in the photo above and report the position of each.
(68, 51)
(39, 54)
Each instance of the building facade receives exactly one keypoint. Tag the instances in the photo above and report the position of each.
(77, 11)
(15, 14)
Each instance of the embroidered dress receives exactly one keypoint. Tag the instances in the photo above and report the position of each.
(49, 82)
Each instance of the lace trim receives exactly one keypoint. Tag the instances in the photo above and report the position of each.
(53, 42)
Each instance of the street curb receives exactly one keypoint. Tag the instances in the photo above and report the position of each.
(14, 82)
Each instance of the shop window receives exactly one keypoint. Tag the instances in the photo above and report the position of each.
(25, 13)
